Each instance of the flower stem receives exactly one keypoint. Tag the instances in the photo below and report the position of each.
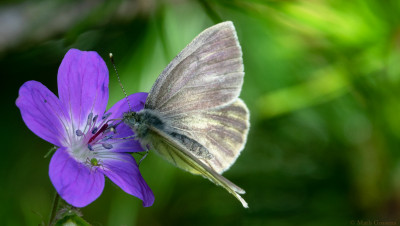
(56, 201)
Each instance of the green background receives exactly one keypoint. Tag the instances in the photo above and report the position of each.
(322, 84)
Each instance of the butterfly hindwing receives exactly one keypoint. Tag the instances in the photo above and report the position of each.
(222, 131)
(207, 73)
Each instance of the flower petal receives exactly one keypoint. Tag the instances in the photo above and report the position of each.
(137, 101)
(125, 145)
(76, 183)
(43, 113)
(83, 85)
(124, 172)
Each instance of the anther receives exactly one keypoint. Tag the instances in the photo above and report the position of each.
(90, 147)
(95, 118)
(79, 132)
(107, 137)
(94, 130)
(107, 146)
(106, 115)
(89, 120)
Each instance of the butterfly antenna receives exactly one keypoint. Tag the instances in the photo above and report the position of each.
(119, 81)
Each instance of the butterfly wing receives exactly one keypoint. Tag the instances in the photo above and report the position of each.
(207, 73)
(173, 151)
(198, 93)
(222, 131)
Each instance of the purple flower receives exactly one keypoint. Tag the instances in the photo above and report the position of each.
(90, 144)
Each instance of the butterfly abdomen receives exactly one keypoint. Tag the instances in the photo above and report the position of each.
(193, 146)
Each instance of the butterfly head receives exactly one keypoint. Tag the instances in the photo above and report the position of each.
(135, 122)
(141, 121)
(130, 118)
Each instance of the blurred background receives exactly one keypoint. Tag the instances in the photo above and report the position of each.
(322, 83)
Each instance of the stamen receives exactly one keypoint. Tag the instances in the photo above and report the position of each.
(90, 147)
(107, 137)
(111, 128)
(79, 133)
(115, 126)
(95, 119)
(107, 146)
(121, 140)
(106, 115)
(89, 120)
(133, 137)
(94, 130)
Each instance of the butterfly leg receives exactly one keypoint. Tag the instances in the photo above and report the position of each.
(145, 155)
(125, 138)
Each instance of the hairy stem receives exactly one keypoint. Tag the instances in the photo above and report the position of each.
(54, 209)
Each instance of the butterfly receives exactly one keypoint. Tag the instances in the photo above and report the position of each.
(192, 116)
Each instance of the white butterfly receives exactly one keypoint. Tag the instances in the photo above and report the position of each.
(193, 117)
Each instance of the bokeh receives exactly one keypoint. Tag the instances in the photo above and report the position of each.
(322, 84)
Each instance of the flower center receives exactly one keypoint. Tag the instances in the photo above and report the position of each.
(92, 140)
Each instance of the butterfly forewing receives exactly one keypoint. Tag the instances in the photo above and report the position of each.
(223, 131)
(208, 73)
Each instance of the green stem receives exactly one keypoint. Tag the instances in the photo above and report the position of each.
(56, 201)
